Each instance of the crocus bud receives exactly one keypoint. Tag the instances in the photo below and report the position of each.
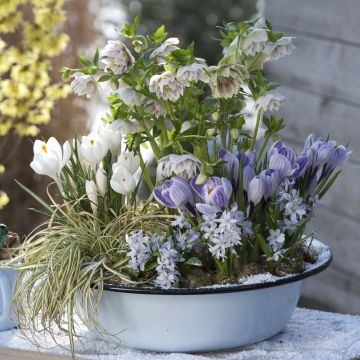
(91, 192)
(101, 181)
(256, 190)
(271, 180)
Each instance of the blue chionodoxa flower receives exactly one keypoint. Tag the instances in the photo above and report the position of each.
(175, 193)
(284, 159)
(212, 196)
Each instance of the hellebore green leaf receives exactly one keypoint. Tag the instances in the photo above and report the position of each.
(159, 35)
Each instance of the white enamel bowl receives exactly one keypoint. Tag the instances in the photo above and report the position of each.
(203, 319)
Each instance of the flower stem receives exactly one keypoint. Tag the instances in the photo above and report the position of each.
(263, 146)
(146, 174)
(258, 119)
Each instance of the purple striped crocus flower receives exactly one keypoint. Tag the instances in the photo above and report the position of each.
(214, 194)
(175, 193)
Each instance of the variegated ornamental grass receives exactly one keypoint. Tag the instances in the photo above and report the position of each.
(222, 204)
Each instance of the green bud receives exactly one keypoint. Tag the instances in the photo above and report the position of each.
(234, 133)
(138, 87)
(215, 116)
(211, 132)
(201, 179)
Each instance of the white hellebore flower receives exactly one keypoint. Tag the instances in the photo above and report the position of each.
(166, 86)
(164, 49)
(128, 95)
(101, 180)
(225, 80)
(132, 126)
(50, 158)
(194, 72)
(184, 166)
(254, 42)
(154, 108)
(117, 57)
(280, 48)
(270, 101)
(91, 192)
(122, 180)
(93, 148)
(111, 135)
(128, 160)
(84, 85)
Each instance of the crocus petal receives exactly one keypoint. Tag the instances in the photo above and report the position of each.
(207, 209)
(281, 164)
(256, 190)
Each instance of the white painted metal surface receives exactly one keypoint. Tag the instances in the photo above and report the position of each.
(7, 283)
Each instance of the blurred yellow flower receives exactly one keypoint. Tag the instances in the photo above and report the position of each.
(27, 94)
(4, 199)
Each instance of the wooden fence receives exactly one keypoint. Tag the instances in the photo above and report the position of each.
(321, 82)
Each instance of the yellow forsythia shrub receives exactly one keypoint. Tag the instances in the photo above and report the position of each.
(27, 94)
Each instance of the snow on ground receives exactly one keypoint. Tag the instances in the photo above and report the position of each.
(310, 335)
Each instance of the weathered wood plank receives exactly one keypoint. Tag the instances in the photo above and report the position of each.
(327, 68)
(342, 235)
(333, 291)
(306, 113)
(15, 354)
(330, 18)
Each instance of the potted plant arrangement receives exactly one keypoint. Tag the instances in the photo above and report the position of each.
(9, 243)
(214, 256)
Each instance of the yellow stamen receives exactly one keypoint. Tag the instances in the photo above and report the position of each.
(44, 149)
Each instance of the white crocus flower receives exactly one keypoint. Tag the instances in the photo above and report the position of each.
(269, 102)
(122, 180)
(128, 95)
(91, 192)
(128, 160)
(164, 49)
(101, 180)
(50, 158)
(280, 48)
(184, 166)
(117, 57)
(84, 85)
(166, 86)
(93, 148)
(111, 135)
(194, 72)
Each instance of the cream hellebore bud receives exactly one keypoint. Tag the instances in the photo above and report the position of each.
(128, 95)
(91, 192)
(193, 72)
(50, 158)
(93, 149)
(101, 180)
(166, 86)
(111, 135)
(132, 126)
(117, 57)
(271, 101)
(84, 85)
(164, 49)
(225, 80)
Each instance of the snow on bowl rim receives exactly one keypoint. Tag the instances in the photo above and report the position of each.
(255, 282)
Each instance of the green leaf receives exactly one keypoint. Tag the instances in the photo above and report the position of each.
(46, 206)
(84, 61)
(159, 35)
(194, 261)
(104, 78)
(181, 56)
(96, 57)
(275, 36)
(263, 245)
(66, 72)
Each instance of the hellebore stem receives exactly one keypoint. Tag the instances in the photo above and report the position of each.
(258, 119)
